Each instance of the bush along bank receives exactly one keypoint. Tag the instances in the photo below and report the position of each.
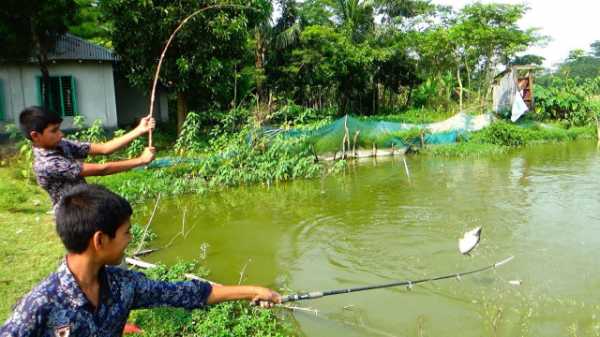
(229, 161)
(501, 136)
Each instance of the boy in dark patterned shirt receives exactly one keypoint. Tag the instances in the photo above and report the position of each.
(58, 163)
(87, 295)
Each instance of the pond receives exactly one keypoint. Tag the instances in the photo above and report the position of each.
(374, 225)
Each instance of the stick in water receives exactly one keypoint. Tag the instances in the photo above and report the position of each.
(406, 168)
(318, 294)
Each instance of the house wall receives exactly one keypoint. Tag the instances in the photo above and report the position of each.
(504, 91)
(133, 103)
(95, 89)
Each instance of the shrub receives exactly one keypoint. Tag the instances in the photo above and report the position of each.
(228, 319)
(189, 140)
(564, 101)
(501, 133)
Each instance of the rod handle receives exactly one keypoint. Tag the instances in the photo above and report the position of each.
(302, 296)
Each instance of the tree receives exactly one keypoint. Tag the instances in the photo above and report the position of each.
(595, 49)
(201, 64)
(575, 55)
(90, 24)
(580, 66)
(528, 59)
(284, 38)
(485, 36)
(31, 29)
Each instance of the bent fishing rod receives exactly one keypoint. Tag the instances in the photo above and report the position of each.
(318, 294)
(168, 43)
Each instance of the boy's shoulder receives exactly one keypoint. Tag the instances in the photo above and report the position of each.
(45, 294)
(66, 148)
(121, 277)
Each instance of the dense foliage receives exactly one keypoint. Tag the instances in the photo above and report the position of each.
(335, 57)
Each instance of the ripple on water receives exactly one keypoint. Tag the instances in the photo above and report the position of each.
(378, 243)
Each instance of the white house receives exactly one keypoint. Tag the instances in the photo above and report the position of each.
(84, 82)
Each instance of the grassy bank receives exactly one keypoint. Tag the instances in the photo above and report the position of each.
(29, 247)
(501, 136)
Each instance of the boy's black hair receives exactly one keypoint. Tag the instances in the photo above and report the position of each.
(35, 118)
(86, 209)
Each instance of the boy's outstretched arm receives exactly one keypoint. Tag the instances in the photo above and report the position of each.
(258, 295)
(93, 169)
(146, 124)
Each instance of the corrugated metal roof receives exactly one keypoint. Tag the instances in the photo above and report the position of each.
(71, 47)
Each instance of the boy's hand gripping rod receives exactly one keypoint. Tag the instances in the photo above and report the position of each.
(318, 294)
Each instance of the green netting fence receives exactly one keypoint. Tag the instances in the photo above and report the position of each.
(353, 133)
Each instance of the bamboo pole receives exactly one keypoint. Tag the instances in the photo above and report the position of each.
(354, 145)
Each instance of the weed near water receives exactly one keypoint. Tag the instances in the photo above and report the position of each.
(228, 319)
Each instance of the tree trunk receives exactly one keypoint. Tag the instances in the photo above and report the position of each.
(182, 110)
(45, 90)
(460, 89)
(409, 95)
(259, 63)
(42, 57)
(489, 78)
(235, 85)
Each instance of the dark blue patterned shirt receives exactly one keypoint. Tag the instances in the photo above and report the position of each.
(59, 169)
(57, 307)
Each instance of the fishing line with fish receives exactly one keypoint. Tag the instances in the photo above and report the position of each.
(469, 241)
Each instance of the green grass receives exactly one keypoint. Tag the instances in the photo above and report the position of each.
(29, 247)
(501, 136)
(464, 150)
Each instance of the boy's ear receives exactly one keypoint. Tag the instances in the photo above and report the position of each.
(35, 135)
(98, 240)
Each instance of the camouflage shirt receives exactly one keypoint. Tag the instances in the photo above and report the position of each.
(59, 169)
(57, 307)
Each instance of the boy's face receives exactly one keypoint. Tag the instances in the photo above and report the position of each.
(113, 249)
(49, 138)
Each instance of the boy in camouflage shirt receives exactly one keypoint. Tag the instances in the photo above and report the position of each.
(58, 163)
(87, 295)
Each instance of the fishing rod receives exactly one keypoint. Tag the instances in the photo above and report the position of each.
(318, 294)
(168, 43)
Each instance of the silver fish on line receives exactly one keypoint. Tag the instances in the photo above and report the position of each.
(469, 241)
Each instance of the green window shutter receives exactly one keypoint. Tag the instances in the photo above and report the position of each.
(2, 114)
(61, 95)
(74, 96)
(38, 90)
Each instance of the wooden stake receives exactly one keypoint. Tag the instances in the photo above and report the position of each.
(147, 265)
(354, 145)
(141, 243)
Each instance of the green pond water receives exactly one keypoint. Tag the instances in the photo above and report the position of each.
(374, 225)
